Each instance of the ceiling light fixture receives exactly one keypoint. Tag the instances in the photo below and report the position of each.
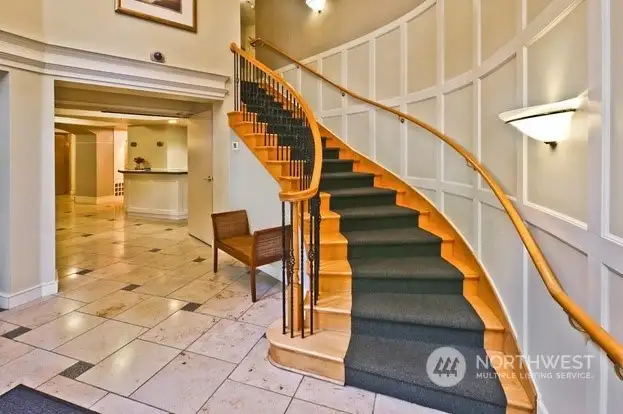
(316, 5)
(549, 123)
(172, 121)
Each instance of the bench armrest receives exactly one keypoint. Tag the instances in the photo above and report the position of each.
(230, 224)
(268, 244)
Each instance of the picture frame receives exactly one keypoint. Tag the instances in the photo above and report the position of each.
(181, 14)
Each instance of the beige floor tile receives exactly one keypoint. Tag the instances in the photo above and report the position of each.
(42, 312)
(274, 292)
(198, 291)
(151, 312)
(32, 369)
(263, 283)
(142, 259)
(256, 370)
(126, 253)
(114, 304)
(151, 242)
(7, 314)
(94, 291)
(193, 270)
(97, 262)
(181, 250)
(348, 399)
(127, 369)
(185, 384)
(73, 391)
(141, 275)
(68, 251)
(10, 350)
(171, 262)
(100, 342)
(180, 330)
(228, 340)
(227, 275)
(6, 327)
(74, 259)
(74, 281)
(64, 271)
(233, 397)
(389, 405)
(304, 407)
(162, 286)
(115, 269)
(227, 304)
(54, 334)
(263, 312)
(114, 404)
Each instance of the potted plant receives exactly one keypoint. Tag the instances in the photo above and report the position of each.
(140, 163)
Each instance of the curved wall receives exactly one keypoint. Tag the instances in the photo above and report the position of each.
(457, 68)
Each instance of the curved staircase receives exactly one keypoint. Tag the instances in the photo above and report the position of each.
(396, 282)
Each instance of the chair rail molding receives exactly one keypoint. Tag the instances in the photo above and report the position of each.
(82, 66)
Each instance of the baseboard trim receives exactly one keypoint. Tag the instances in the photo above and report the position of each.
(161, 216)
(9, 301)
(98, 200)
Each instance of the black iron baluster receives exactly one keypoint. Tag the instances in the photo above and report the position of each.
(302, 269)
(284, 257)
(310, 254)
(318, 220)
(235, 83)
(291, 270)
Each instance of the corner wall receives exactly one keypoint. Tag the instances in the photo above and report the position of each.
(457, 64)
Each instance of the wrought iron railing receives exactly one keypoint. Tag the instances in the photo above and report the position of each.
(278, 119)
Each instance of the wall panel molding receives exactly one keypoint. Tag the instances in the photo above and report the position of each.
(423, 161)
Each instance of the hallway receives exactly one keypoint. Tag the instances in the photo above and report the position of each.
(142, 324)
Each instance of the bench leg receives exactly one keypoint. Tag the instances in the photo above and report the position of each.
(215, 258)
(252, 278)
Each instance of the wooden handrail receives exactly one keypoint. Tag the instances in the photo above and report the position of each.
(312, 190)
(585, 322)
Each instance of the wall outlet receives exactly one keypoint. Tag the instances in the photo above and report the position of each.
(235, 145)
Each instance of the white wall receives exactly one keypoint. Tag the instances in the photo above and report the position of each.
(173, 154)
(457, 64)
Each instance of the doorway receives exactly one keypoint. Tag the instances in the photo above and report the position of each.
(62, 164)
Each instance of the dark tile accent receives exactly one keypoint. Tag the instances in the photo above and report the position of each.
(191, 307)
(111, 219)
(117, 242)
(155, 250)
(138, 224)
(61, 229)
(67, 212)
(168, 229)
(88, 215)
(76, 370)
(2, 310)
(87, 235)
(130, 288)
(199, 260)
(16, 332)
(84, 272)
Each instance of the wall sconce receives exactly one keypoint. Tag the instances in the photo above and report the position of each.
(549, 123)
(316, 5)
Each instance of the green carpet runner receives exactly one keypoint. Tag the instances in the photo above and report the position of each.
(407, 300)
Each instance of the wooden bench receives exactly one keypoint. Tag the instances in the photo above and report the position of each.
(232, 235)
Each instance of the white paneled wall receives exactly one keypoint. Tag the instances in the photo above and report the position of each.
(457, 64)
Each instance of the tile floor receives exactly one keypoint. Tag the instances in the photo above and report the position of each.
(142, 325)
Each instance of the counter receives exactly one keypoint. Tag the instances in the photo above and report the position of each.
(161, 194)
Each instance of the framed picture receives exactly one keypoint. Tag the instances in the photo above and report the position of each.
(176, 13)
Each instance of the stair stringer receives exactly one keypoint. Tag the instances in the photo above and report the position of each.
(460, 255)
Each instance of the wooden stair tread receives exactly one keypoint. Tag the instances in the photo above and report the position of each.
(334, 303)
(335, 267)
(330, 345)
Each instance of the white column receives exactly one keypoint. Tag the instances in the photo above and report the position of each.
(27, 233)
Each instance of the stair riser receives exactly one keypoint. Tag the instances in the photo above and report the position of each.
(333, 154)
(336, 184)
(327, 226)
(337, 167)
(334, 283)
(273, 154)
(419, 286)
(333, 251)
(413, 332)
(329, 321)
(323, 367)
(378, 222)
(337, 203)
(398, 250)
(438, 400)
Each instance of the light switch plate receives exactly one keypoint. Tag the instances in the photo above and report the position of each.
(235, 145)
